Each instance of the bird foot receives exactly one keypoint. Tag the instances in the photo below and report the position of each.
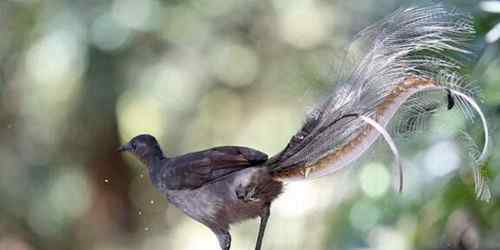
(246, 194)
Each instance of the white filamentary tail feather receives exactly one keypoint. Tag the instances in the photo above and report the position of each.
(480, 180)
(405, 57)
(473, 103)
(392, 146)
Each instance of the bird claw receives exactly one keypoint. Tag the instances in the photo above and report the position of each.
(246, 194)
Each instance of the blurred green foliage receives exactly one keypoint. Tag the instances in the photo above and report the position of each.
(78, 78)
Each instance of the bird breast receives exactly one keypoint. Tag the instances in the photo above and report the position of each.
(217, 202)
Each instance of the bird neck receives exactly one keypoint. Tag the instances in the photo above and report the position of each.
(153, 160)
(155, 164)
(152, 157)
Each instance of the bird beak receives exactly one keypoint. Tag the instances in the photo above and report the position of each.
(124, 148)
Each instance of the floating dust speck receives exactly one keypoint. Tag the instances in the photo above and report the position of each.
(139, 212)
(10, 126)
(147, 229)
(106, 180)
(151, 202)
(141, 176)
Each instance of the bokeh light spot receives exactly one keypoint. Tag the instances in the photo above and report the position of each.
(137, 115)
(68, 198)
(194, 30)
(55, 58)
(140, 15)
(297, 200)
(106, 34)
(364, 215)
(442, 158)
(304, 23)
(234, 64)
(375, 179)
(382, 238)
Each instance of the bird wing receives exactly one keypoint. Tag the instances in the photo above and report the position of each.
(196, 169)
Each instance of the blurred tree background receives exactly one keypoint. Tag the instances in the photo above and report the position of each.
(78, 78)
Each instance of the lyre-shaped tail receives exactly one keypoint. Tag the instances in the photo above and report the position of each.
(405, 56)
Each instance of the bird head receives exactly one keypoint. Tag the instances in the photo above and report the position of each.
(145, 147)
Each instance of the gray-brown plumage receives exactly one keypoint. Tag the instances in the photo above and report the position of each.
(407, 55)
(216, 187)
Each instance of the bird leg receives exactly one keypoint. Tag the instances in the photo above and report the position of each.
(224, 238)
(262, 227)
